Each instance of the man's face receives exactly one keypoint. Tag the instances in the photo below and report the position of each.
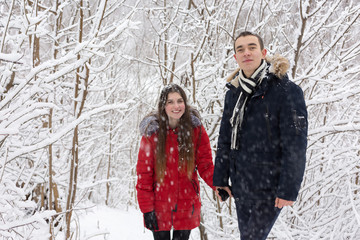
(248, 54)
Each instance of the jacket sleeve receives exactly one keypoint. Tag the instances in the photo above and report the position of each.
(203, 159)
(293, 141)
(222, 159)
(145, 175)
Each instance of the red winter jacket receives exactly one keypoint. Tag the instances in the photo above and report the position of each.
(176, 201)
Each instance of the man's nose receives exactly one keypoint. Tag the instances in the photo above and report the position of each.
(246, 52)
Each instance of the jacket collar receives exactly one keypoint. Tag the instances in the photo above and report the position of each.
(258, 91)
(150, 124)
(278, 66)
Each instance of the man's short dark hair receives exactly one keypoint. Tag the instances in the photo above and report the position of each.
(247, 33)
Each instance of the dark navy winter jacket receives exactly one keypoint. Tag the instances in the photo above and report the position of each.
(270, 159)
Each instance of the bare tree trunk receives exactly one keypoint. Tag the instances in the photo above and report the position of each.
(300, 37)
(109, 164)
(74, 162)
(51, 230)
(357, 177)
(219, 211)
(203, 235)
(5, 30)
(53, 191)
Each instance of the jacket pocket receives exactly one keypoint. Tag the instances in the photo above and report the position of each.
(299, 122)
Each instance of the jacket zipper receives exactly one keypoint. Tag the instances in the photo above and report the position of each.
(267, 117)
(172, 215)
(195, 186)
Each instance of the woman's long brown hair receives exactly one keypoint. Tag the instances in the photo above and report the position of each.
(185, 135)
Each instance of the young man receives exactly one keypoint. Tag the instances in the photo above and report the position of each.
(263, 138)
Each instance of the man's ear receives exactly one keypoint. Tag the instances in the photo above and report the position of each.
(263, 52)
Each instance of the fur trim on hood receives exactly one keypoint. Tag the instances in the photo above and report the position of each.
(278, 66)
(150, 124)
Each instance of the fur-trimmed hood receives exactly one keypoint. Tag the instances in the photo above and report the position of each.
(278, 66)
(150, 124)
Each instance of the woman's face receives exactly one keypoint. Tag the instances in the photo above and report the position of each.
(174, 108)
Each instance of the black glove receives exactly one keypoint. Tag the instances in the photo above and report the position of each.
(150, 221)
(223, 194)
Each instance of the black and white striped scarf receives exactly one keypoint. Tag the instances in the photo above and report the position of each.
(247, 86)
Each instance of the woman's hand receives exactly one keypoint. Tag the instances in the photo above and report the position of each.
(150, 221)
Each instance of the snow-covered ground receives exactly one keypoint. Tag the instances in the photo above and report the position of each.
(104, 223)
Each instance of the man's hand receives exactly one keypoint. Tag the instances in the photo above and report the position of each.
(227, 189)
(280, 203)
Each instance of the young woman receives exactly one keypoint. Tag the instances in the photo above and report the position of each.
(174, 148)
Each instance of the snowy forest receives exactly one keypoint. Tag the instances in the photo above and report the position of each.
(77, 77)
